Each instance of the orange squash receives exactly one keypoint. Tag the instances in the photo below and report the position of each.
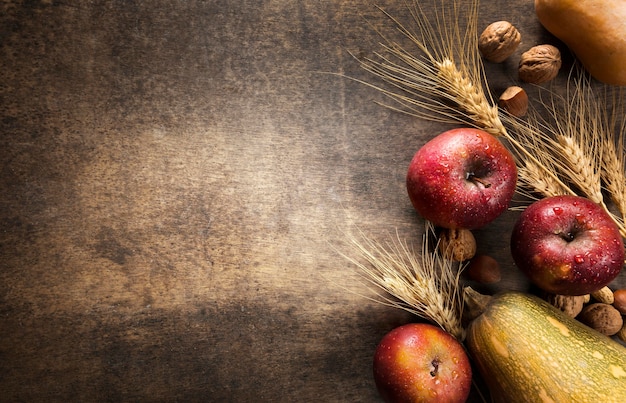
(594, 30)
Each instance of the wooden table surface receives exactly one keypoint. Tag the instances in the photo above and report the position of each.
(177, 177)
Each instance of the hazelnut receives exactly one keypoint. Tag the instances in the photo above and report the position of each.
(457, 244)
(483, 269)
(604, 295)
(619, 300)
(514, 100)
(498, 41)
(539, 64)
(571, 305)
(602, 317)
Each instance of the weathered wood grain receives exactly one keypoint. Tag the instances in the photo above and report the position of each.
(175, 179)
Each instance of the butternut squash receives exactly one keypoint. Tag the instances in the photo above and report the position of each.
(594, 30)
(529, 351)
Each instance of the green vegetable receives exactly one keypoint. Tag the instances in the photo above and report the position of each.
(529, 351)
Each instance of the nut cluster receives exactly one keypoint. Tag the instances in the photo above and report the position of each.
(537, 65)
(602, 310)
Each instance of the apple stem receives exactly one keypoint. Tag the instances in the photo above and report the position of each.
(476, 179)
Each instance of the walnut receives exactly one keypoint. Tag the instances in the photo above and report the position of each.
(571, 305)
(457, 244)
(602, 317)
(539, 64)
(498, 41)
(514, 100)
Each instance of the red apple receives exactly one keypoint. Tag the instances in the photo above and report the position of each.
(420, 362)
(567, 245)
(463, 178)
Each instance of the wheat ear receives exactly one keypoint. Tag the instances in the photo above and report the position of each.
(469, 97)
(424, 284)
(446, 82)
(532, 176)
(444, 74)
(582, 170)
(613, 172)
(584, 125)
(613, 154)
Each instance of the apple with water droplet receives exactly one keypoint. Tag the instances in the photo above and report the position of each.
(462, 178)
(420, 362)
(567, 245)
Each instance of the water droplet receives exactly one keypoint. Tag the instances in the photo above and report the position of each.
(579, 259)
(557, 210)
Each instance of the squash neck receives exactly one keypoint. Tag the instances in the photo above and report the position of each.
(475, 304)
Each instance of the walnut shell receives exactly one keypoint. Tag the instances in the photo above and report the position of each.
(539, 64)
(602, 317)
(457, 244)
(499, 41)
(571, 305)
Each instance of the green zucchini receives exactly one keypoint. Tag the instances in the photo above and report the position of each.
(528, 351)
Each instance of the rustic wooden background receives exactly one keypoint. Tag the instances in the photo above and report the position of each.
(176, 177)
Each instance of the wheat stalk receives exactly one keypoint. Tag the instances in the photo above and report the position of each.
(444, 74)
(537, 170)
(613, 172)
(613, 161)
(582, 170)
(573, 133)
(469, 97)
(574, 139)
(531, 176)
(445, 82)
(424, 284)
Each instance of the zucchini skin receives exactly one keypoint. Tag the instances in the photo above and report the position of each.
(529, 351)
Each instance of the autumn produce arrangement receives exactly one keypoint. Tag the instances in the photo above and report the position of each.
(563, 155)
